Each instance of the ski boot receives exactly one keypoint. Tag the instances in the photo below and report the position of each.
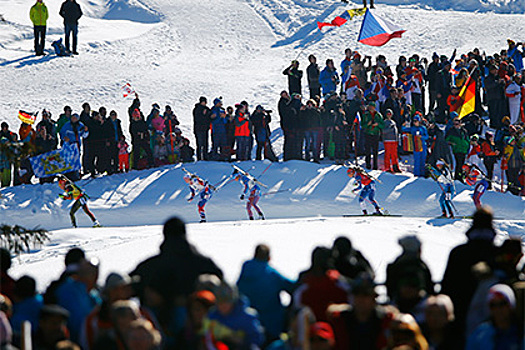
(261, 216)
(365, 212)
(96, 224)
(443, 216)
(202, 220)
(251, 218)
(378, 212)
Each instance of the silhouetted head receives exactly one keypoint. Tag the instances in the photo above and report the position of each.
(5, 259)
(342, 246)
(174, 227)
(262, 252)
(321, 258)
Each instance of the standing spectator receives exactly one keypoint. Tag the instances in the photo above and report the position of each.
(420, 136)
(328, 78)
(123, 155)
(294, 78)
(71, 13)
(242, 132)
(73, 132)
(287, 117)
(390, 142)
(459, 282)
(458, 138)
(372, 124)
(115, 126)
(7, 287)
(312, 73)
(139, 138)
(513, 93)
(490, 155)
(347, 61)
(49, 124)
(439, 148)
(349, 261)
(261, 119)
(515, 54)
(26, 305)
(218, 130)
(44, 143)
(52, 327)
(444, 83)
(495, 95)
(39, 16)
(77, 295)
(432, 76)
(438, 327)
(312, 121)
(513, 162)
(63, 119)
(262, 285)
(408, 267)
(201, 127)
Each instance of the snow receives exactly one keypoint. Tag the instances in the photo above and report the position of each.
(172, 52)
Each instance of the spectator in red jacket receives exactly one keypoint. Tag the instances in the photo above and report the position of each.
(454, 101)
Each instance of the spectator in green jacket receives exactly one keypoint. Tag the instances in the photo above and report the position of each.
(458, 139)
(39, 16)
(372, 125)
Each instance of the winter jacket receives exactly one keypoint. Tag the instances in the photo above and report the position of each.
(262, 285)
(432, 76)
(313, 76)
(75, 132)
(201, 118)
(139, 131)
(260, 121)
(439, 146)
(116, 130)
(369, 119)
(218, 123)
(26, 310)
(495, 89)
(444, 83)
(454, 103)
(71, 12)
(73, 296)
(62, 120)
(488, 337)
(390, 131)
(174, 271)
(310, 118)
(458, 139)
(294, 79)
(352, 264)
(39, 14)
(517, 57)
(513, 156)
(242, 125)
(157, 124)
(285, 113)
(241, 323)
(44, 145)
(320, 291)
(50, 126)
(328, 80)
(408, 266)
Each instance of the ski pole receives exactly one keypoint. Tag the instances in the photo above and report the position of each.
(268, 167)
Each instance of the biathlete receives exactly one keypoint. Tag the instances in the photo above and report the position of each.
(252, 189)
(475, 177)
(201, 188)
(443, 176)
(73, 192)
(367, 185)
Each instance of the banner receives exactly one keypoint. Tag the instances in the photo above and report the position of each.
(346, 16)
(56, 162)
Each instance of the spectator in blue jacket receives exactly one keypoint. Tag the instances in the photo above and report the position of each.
(77, 295)
(262, 285)
(329, 79)
(232, 322)
(74, 131)
(218, 131)
(26, 305)
(420, 137)
(515, 54)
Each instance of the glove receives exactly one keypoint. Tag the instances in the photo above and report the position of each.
(242, 197)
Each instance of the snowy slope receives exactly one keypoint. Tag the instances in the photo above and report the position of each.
(306, 189)
(230, 243)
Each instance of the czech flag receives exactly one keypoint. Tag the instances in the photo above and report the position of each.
(340, 20)
(468, 95)
(377, 31)
(26, 117)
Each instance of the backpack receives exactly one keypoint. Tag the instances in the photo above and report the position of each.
(60, 49)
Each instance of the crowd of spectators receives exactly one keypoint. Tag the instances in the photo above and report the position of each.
(414, 107)
(178, 299)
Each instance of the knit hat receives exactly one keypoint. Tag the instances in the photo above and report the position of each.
(202, 99)
(411, 244)
(511, 42)
(372, 103)
(435, 55)
(217, 100)
(502, 292)
(417, 118)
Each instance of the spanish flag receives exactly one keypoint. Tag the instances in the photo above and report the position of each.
(26, 117)
(468, 96)
(348, 15)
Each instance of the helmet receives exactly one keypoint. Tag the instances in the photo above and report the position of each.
(466, 168)
(187, 179)
(474, 137)
(350, 172)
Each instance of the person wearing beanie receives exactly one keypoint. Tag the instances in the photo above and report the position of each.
(513, 93)
(328, 78)
(201, 127)
(232, 322)
(501, 331)
(515, 54)
(459, 282)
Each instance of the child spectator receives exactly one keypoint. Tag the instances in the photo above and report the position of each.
(160, 152)
(123, 155)
(186, 151)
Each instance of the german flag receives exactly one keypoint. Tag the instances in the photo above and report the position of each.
(468, 96)
(26, 117)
